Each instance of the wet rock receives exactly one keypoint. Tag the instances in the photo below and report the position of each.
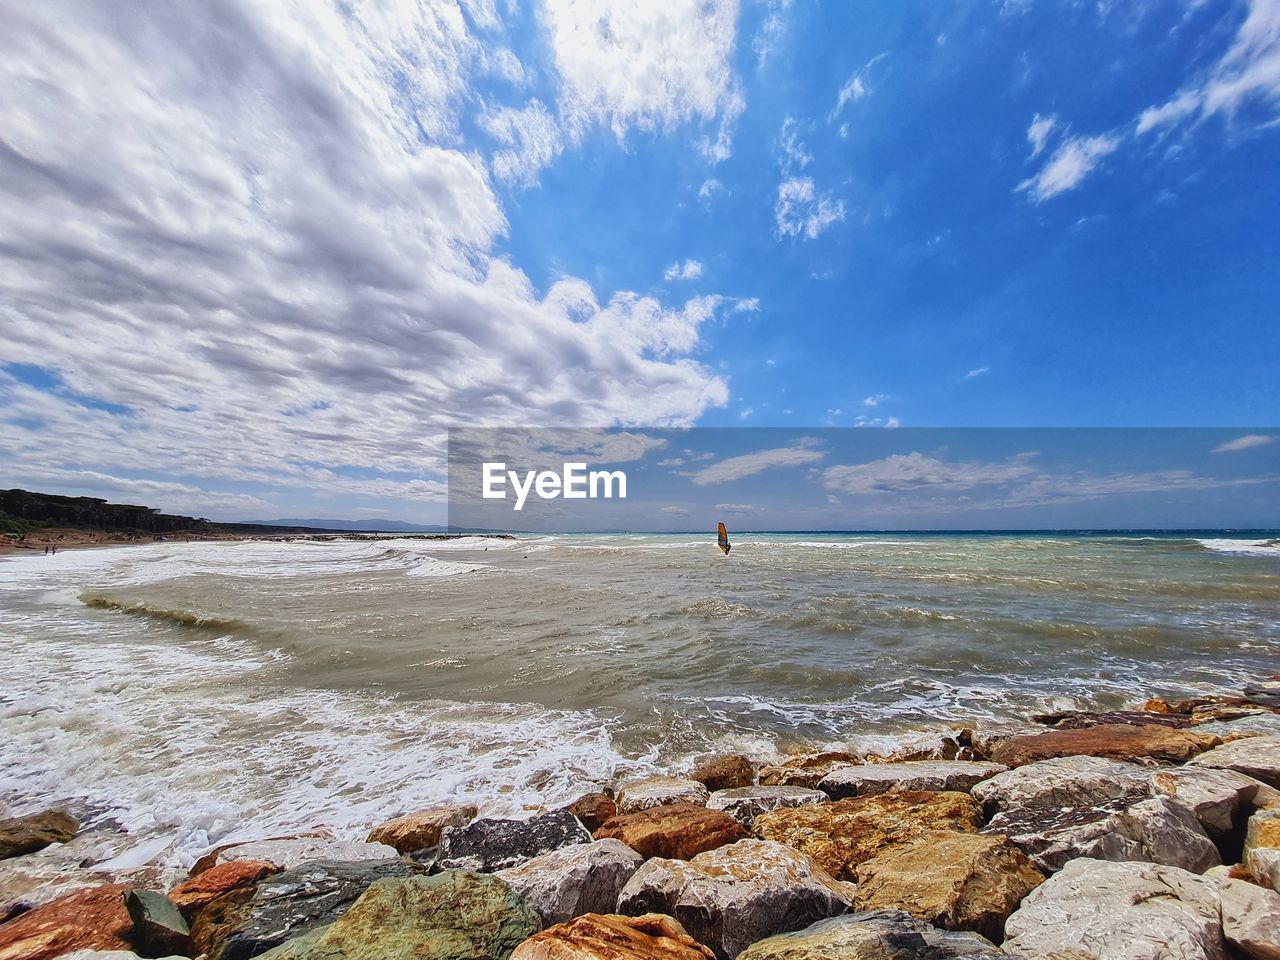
(660, 792)
(455, 915)
(844, 833)
(492, 844)
(1093, 910)
(1214, 796)
(584, 878)
(199, 891)
(420, 831)
(1251, 919)
(806, 770)
(1213, 702)
(728, 771)
(731, 897)
(1114, 741)
(1258, 757)
(593, 809)
(288, 905)
(1254, 725)
(612, 937)
(679, 832)
(287, 854)
(1156, 830)
(877, 935)
(159, 929)
(1063, 782)
(1079, 719)
(1263, 830)
(211, 857)
(744, 804)
(960, 881)
(916, 746)
(36, 831)
(872, 778)
(93, 919)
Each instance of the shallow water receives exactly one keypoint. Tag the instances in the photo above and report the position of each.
(202, 692)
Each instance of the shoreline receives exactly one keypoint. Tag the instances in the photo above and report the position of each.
(73, 539)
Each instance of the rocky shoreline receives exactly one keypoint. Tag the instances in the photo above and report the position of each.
(1144, 833)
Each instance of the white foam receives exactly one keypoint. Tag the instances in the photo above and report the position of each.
(1250, 548)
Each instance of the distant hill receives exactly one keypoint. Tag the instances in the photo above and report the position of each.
(373, 526)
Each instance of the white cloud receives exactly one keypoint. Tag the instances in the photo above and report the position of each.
(977, 372)
(794, 155)
(875, 400)
(771, 30)
(1247, 442)
(1038, 133)
(531, 140)
(710, 187)
(746, 412)
(748, 464)
(801, 211)
(735, 509)
(856, 87)
(915, 471)
(1074, 160)
(686, 270)
(675, 511)
(748, 305)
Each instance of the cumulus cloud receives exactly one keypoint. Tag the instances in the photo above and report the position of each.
(1074, 160)
(875, 400)
(531, 139)
(1247, 442)
(686, 270)
(748, 464)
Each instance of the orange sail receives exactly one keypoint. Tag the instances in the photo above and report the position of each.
(722, 538)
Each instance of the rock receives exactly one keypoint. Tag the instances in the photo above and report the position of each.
(842, 834)
(986, 739)
(1263, 830)
(290, 853)
(1251, 919)
(159, 929)
(728, 771)
(212, 856)
(1213, 796)
(596, 937)
(1063, 782)
(806, 770)
(288, 905)
(583, 878)
(660, 792)
(93, 919)
(201, 890)
(593, 809)
(1205, 703)
(1078, 719)
(421, 830)
(491, 844)
(1264, 866)
(960, 881)
(1115, 741)
(872, 778)
(1156, 830)
(744, 804)
(880, 935)
(680, 832)
(1258, 757)
(731, 897)
(1093, 910)
(35, 831)
(916, 746)
(455, 915)
(1254, 725)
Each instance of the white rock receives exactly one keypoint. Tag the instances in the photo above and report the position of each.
(1095, 910)
(1264, 864)
(1213, 796)
(744, 804)
(1251, 919)
(1256, 756)
(864, 780)
(571, 881)
(1063, 782)
(660, 792)
(287, 854)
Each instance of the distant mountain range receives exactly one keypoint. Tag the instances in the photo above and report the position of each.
(378, 526)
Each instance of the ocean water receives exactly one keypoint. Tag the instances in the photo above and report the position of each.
(204, 692)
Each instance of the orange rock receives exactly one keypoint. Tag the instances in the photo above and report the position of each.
(199, 891)
(418, 831)
(807, 770)
(1114, 741)
(595, 936)
(594, 810)
(678, 832)
(91, 919)
(727, 771)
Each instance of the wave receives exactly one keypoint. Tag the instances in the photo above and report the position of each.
(1249, 548)
(181, 618)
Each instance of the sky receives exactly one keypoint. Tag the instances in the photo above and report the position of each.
(257, 258)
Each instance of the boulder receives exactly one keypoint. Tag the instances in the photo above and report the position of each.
(731, 897)
(613, 937)
(985, 739)
(287, 905)
(421, 831)
(492, 844)
(1079, 719)
(294, 852)
(806, 770)
(1263, 830)
(1251, 919)
(593, 809)
(455, 915)
(35, 831)
(566, 883)
(842, 834)
(159, 929)
(726, 771)
(197, 892)
(1263, 864)
(879, 935)
(660, 792)
(931, 745)
(744, 804)
(1254, 725)
(1214, 796)
(212, 856)
(93, 919)
(680, 832)
(1063, 782)
(1258, 757)
(1094, 910)
(871, 778)
(960, 881)
(1117, 741)
(1155, 830)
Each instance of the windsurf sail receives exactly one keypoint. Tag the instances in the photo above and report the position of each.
(722, 538)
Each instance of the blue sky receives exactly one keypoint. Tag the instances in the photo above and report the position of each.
(257, 258)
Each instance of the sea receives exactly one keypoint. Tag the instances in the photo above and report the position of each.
(197, 693)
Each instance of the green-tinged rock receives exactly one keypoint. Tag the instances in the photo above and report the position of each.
(159, 929)
(455, 915)
(875, 935)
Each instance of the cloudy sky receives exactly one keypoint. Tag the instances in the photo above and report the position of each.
(256, 258)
